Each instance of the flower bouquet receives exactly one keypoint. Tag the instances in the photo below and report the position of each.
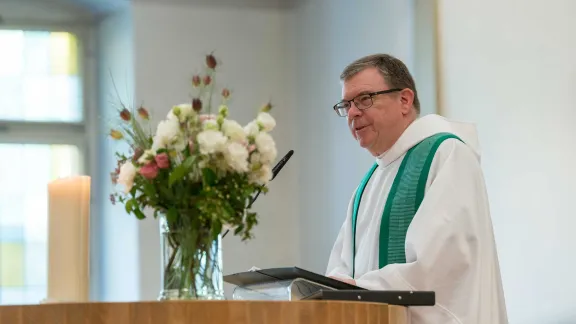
(197, 174)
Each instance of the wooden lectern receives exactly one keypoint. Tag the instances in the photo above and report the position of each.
(269, 296)
(207, 312)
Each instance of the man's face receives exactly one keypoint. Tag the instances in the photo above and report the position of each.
(375, 128)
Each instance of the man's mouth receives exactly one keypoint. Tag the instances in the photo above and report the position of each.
(359, 128)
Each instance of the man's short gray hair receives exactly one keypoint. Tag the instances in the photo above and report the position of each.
(393, 70)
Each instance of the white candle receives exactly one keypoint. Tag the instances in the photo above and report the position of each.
(68, 239)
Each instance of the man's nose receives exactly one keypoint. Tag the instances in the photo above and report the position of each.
(353, 111)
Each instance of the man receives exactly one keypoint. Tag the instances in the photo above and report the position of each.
(420, 219)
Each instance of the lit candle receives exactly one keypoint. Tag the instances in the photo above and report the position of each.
(68, 239)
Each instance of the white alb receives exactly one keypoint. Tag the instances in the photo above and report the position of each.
(450, 246)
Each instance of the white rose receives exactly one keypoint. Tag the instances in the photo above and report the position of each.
(261, 176)
(266, 121)
(167, 132)
(236, 156)
(126, 176)
(211, 141)
(252, 129)
(181, 112)
(233, 130)
(266, 147)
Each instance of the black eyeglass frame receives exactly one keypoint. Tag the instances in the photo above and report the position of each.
(371, 95)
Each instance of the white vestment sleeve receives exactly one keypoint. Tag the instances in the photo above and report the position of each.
(340, 262)
(450, 247)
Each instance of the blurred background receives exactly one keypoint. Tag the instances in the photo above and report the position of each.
(506, 65)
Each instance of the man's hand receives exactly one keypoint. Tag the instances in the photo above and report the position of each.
(348, 281)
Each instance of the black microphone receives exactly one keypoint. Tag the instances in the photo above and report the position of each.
(275, 170)
(281, 164)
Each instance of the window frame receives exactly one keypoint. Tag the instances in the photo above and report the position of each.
(73, 133)
(85, 135)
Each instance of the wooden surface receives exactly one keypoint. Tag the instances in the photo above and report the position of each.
(206, 312)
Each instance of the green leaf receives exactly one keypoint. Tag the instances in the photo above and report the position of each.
(181, 171)
(168, 195)
(208, 177)
(216, 228)
(148, 189)
(172, 215)
(139, 214)
(129, 205)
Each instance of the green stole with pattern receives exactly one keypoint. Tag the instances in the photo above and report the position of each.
(404, 199)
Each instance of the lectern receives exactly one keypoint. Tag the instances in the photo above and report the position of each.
(269, 296)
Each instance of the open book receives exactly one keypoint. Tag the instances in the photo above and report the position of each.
(260, 276)
(293, 283)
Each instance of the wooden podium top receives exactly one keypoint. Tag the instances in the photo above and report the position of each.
(206, 312)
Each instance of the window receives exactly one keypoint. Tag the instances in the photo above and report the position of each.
(39, 78)
(42, 137)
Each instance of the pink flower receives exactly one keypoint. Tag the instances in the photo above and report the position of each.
(162, 160)
(251, 148)
(149, 171)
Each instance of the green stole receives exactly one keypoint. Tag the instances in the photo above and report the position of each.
(404, 199)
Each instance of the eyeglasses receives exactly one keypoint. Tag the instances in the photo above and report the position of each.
(363, 101)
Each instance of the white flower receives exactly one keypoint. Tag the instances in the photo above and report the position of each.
(126, 176)
(266, 147)
(180, 144)
(147, 155)
(255, 158)
(236, 156)
(261, 176)
(252, 129)
(181, 112)
(157, 144)
(166, 133)
(266, 121)
(210, 124)
(211, 141)
(233, 130)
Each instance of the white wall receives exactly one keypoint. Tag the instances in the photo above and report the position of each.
(330, 35)
(512, 70)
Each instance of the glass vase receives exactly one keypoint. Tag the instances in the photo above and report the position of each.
(191, 263)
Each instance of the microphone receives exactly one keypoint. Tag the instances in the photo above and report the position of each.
(281, 164)
(275, 170)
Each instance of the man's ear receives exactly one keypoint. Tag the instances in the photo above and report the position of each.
(407, 99)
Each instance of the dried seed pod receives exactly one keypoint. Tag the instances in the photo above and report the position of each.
(211, 61)
(143, 113)
(225, 93)
(125, 115)
(196, 80)
(196, 104)
(116, 134)
(207, 80)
